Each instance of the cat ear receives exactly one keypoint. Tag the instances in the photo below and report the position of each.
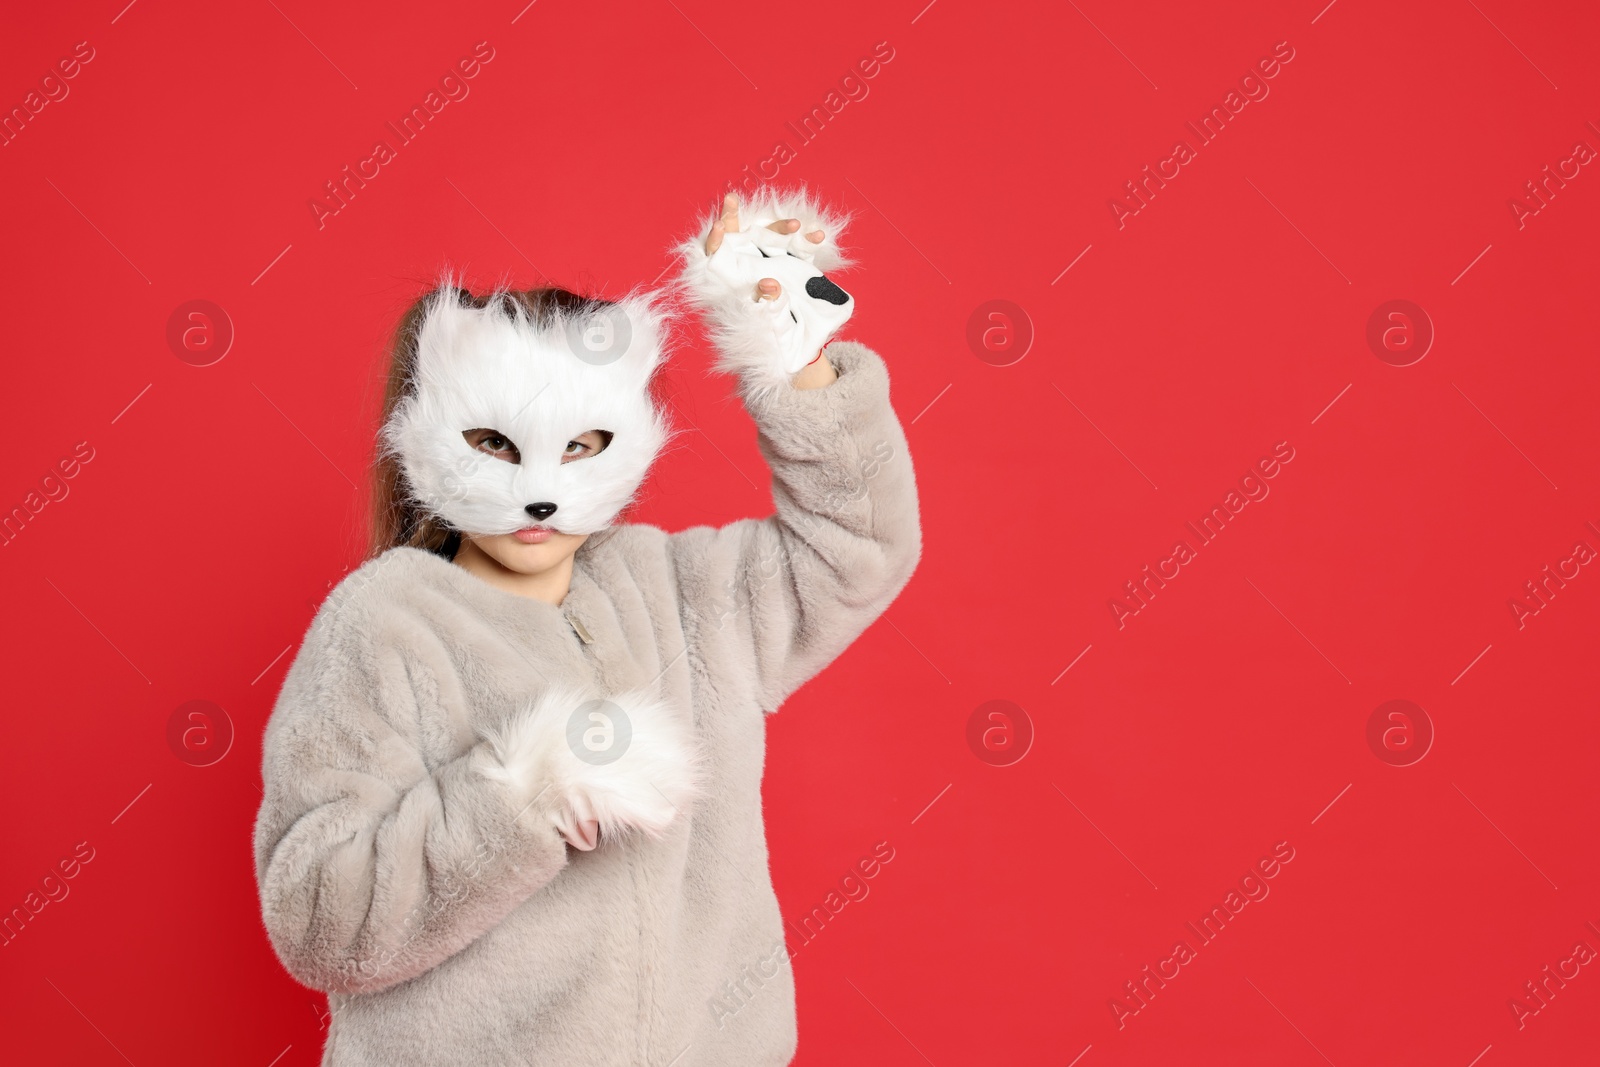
(448, 324)
(634, 334)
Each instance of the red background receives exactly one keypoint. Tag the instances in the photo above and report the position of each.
(1224, 317)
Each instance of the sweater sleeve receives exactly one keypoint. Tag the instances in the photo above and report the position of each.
(372, 866)
(796, 588)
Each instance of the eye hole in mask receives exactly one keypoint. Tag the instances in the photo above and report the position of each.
(498, 445)
(590, 443)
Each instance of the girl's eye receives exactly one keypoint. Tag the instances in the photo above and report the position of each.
(589, 444)
(494, 443)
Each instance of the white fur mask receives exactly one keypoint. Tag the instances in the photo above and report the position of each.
(540, 386)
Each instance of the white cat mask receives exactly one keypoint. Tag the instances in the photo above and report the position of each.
(540, 386)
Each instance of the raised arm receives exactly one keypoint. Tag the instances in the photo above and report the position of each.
(796, 588)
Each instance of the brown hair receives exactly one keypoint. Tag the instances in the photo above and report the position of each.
(396, 517)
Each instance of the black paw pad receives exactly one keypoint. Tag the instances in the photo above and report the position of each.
(821, 288)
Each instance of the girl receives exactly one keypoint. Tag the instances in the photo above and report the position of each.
(512, 808)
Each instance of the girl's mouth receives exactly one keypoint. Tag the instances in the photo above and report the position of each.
(533, 535)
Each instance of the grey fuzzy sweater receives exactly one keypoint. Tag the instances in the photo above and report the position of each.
(398, 866)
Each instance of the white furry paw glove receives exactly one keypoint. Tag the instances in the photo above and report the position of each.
(596, 767)
(766, 341)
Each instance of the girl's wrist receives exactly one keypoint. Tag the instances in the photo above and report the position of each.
(816, 374)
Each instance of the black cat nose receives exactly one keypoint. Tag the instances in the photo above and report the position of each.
(542, 510)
